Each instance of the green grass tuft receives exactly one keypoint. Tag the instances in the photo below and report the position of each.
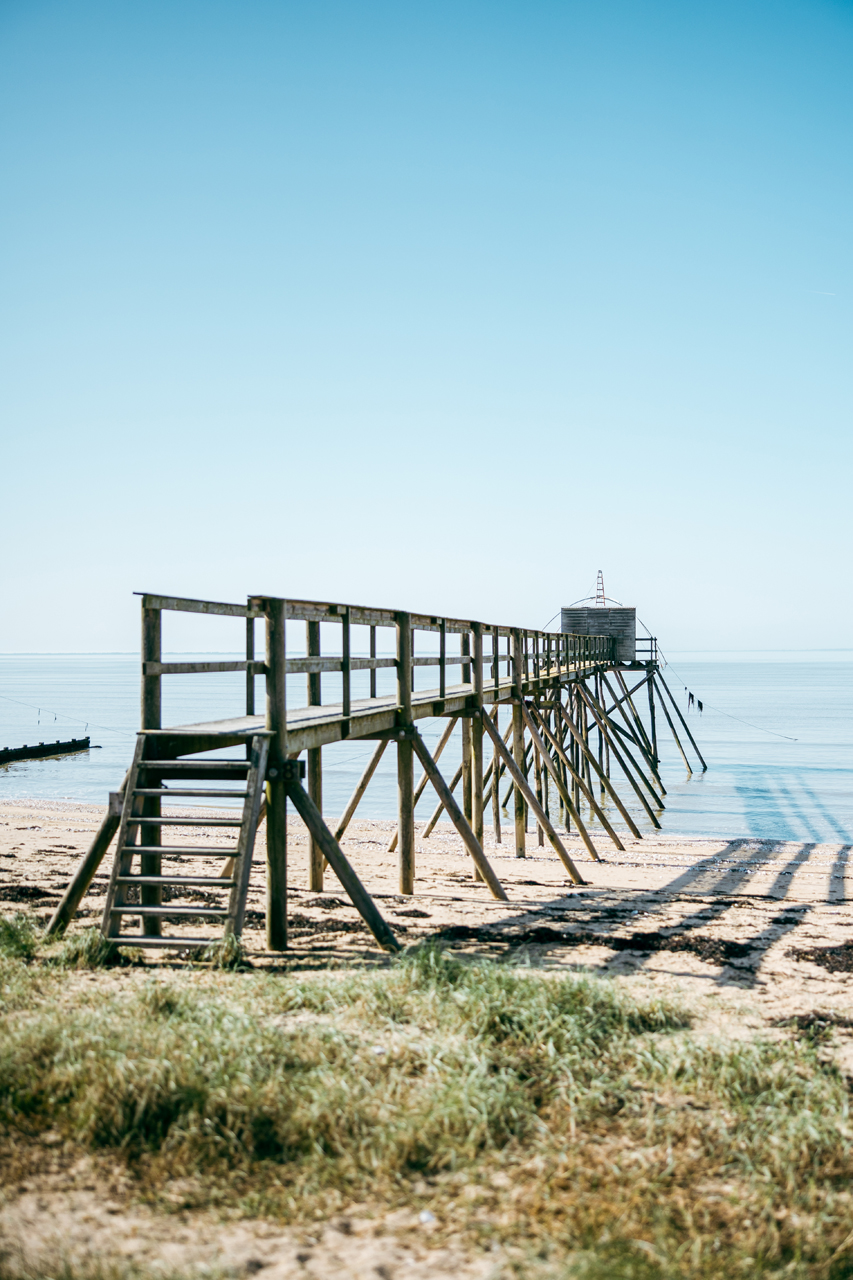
(18, 937)
(225, 953)
(89, 949)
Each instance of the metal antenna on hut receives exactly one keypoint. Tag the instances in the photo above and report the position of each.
(600, 598)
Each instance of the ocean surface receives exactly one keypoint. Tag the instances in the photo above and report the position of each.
(776, 731)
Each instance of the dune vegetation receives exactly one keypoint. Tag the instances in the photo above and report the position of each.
(580, 1122)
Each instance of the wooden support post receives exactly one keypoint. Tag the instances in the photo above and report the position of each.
(467, 808)
(338, 861)
(538, 726)
(626, 751)
(346, 672)
(361, 787)
(636, 737)
(683, 721)
(458, 818)
(546, 792)
(454, 783)
(518, 753)
(601, 774)
(544, 755)
(85, 870)
(250, 675)
(276, 720)
(496, 777)
(150, 863)
(521, 783)
(537, 775)
(315, 760)
(604, 779)
(671, 727)
(617, 752)
(419, 789)
(643, 735)
(373, 655)
(405, 759)
(477, 764)
(511, 788)
(653, 723)
(560, 733)
(576, 748)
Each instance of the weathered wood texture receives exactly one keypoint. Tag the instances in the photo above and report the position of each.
(563, 735)
(405, 758)
(338, 861)
(521, 782)
(276, 722)
(458, 818)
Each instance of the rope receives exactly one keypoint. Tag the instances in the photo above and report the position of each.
(127, 733)
(748, 723)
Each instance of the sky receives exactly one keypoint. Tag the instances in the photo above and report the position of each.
(441, 306)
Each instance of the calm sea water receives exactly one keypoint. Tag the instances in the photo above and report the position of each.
(786, 774)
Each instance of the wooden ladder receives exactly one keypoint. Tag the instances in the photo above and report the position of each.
(136, 888)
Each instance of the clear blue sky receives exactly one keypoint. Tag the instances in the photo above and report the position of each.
(441, 306)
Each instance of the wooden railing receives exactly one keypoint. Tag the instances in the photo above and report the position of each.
(491, 659)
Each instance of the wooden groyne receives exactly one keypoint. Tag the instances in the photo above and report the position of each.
(7, 754)
(572, 739)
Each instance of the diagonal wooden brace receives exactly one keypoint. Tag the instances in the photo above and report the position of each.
(458, 818)
(539, 813)
(542, 751)
(337, 859)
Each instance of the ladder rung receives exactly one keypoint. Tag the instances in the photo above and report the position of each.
(215, 913)
(182, 791)
(143, 940)
(186, 822)
(203, 766)
(191, 851)
(217, 882)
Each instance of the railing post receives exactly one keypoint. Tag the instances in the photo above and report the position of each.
(276, 721)
(151, 717)
(477, 742)
(151, 652)
(373, 655)
(519, 806)
(467, 806)
(442, 659)
(316, 858)
(346, 670)
(405, 757)
(250, 675)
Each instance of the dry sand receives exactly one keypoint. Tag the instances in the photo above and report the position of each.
(749, 931)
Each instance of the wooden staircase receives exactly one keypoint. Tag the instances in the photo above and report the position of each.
(150, 857)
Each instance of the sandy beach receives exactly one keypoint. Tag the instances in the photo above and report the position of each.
(754, 933)
(728, 919)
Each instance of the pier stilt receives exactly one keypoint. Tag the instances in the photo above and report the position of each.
(405, 759)
(316, 861)
(276, 720)
(151, 895)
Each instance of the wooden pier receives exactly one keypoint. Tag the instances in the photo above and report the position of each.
(573, 739)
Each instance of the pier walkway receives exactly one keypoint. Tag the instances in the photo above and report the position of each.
(371, 674)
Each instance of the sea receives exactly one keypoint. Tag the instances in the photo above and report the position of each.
(775, 729)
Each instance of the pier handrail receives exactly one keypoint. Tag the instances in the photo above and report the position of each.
(486, 653)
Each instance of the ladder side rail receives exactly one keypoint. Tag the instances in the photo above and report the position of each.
(246, 842)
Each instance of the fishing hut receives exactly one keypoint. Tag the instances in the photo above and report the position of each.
(550, 733)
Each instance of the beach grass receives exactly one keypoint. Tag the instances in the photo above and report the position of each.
(569, 1117)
